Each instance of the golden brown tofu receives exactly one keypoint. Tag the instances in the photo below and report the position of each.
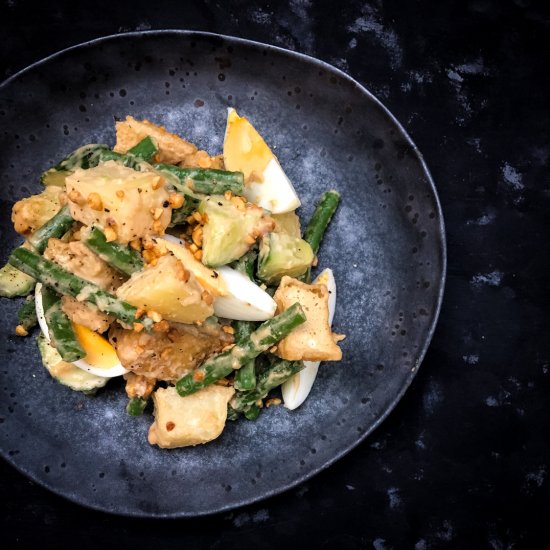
(33, 212)
(83, 313)
(167, 355)
(172, 148)
(313, 340)
(191, 420)
(77, 258)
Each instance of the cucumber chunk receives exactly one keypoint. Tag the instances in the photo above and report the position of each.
(14, 282)
(282, 254)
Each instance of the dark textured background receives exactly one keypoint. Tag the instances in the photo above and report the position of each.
(463, 461)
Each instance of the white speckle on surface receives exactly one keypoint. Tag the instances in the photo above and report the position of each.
(420, 441)
(241, 519)
(486, 219)
(393, 497)
(454, 76)
(350, 487)
(446, 531)
(491, 402)
(471, 359)
(370, 22)
(352, 43)
(261, 17)
(143, 26)
(473, 67)
(492, 279)
(341, 63)
(420, 545)
(260, 516)
(537, 478)
(512, 177)
(302, 490)
(379, 544)
(475, 143)
(495, 543)
(432, 396)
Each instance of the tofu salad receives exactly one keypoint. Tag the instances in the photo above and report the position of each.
(186, 274)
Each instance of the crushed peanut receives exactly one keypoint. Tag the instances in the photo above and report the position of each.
(157, 182)
(273, 401)
(139, 313)
(227, 195)
(198, 255)
(176, 200)
(76, 197)
(110, 234)
(155, 316)
(20, 330)
(197, 216)
(162, 326)
(207, 297)
(94, 201)
(136, 244)
(198, 376)
(120, 194)
(228, 329)
(197, 235)
(249, 239)
(138, 327)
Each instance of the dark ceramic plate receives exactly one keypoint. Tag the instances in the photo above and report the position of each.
(386, 246)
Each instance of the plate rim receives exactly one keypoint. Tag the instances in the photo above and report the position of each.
(441, 279)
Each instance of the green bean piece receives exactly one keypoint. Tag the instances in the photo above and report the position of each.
(136, 406)
(55, 227)
(245, 377)
(27, 314)
(279, 372)
(221, 365)
(246, 264)
(61, 330)
(63, 282)
(327, 205)
(146, 149)
(117, 255)
(252, 412)
(206, 180)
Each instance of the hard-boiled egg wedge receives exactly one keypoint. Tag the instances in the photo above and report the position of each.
(244, 150)
(235, 295)
(101, 358)
(245, 300)
(298, 387)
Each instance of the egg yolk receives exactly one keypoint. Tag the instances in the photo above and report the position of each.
(99, 352)
(244, 150)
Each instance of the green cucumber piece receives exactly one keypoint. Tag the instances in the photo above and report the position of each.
(281, 254)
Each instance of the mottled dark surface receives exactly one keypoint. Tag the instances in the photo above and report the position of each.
(463, 459)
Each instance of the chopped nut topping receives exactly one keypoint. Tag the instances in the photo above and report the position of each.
(157, 213)
(94, 201)
(198, 255)
(139, 313)
(120, 194)
(273, 401)
(176, 200)
(197, 235)
(197, 216)
(249, 239)
(156, 317)
(110, 234)
(162, 326)
(228, 329)
(136, 244)
(20, 330)
(77, 198)
(138, 327)
(207, 297)
(198, 376)
(227, 195)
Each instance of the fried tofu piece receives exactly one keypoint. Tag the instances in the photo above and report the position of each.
(33, 212)
(167, 355)
(172, 148)
(313, 340)
(77, 258)
(83, 313)
(192, 420)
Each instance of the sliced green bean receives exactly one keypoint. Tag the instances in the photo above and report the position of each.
(55, 227)
(206, 180)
